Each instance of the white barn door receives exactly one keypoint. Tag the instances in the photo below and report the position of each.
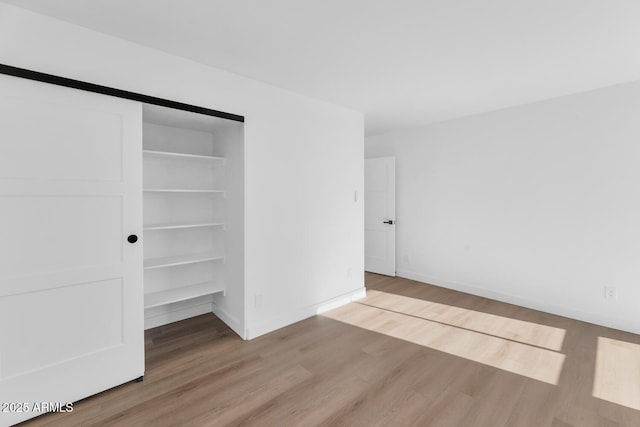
(71, 295)
(380, 215)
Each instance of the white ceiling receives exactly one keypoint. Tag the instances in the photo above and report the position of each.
(405, 63)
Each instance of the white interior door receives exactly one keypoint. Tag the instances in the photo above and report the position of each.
(71, 294)
(380, 215)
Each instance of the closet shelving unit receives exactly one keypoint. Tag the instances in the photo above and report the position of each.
(174, 226)
(184, 223)
(182, 190)
(171, 155)
(170, 261)
(181, 294)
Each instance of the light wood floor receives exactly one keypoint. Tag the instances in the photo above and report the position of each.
(327, 372)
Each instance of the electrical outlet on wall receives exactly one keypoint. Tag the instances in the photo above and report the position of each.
(611, 292)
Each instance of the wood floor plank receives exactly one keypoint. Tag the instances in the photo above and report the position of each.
(535, 406)
(392, 394)
(617, 372)
(532, 361)
(326, 372)
(512, 329)
(502, 391)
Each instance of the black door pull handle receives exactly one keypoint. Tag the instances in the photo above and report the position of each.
(390, 222)
(132, 238)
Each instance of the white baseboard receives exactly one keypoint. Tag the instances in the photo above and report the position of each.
(595, 318)
(269, 325)
(229, 320)
(163, 315)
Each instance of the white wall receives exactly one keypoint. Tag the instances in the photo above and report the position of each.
(231, 307)
(303, 160)
(537, 205)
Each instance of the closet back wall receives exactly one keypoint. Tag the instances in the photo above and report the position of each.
(304, 239)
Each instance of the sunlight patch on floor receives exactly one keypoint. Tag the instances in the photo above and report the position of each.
(617, 375)
(533, 362)
(504, 327)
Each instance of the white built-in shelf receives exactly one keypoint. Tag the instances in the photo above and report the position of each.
(182, 293)
(170, 261)
(174, 226)
(181, 190)
(171, 155)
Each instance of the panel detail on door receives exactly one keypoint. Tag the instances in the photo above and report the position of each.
(29, 346)
(60, 142)
(71, 297)
(53, 233)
